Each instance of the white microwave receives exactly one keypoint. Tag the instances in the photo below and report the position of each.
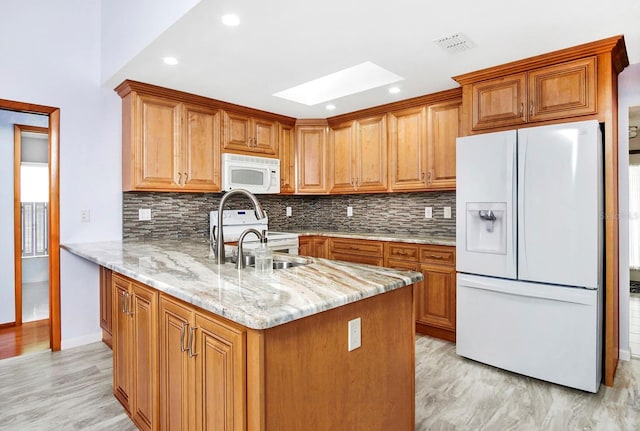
(259, 175)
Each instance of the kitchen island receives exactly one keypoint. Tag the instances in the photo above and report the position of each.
(202, 345)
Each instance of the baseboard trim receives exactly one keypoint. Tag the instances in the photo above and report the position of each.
(625, 355)
(81, 341)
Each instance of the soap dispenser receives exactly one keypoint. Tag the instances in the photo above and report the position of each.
(264, 256)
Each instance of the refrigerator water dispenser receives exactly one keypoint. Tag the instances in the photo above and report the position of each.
(486, 227)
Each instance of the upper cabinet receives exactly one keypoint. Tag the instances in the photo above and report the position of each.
(358, 156)
(547, 93)
(250, 135)
(287, 150)
(442, 131)
(311, 156)
(171, 140)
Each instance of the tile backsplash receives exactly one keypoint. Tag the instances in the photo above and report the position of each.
(186, 215)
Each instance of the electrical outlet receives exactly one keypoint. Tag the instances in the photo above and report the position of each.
(85, 216)
(289, 212)
(349, 211)
(144, 214)
(447, 212)
(355, 337)
(428, 212)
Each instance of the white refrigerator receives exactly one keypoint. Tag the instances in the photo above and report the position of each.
(529, 251)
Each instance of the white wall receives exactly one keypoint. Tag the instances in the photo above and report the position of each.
(7, 268)
(129, 26)
(57, 63)
(628, 95)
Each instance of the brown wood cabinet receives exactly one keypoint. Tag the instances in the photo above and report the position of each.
(202, 370)
(547, 93)
(250, 135)
(105, 305)
(442, 131)
(311, 156)
(362, 251)
(314, 246)
(135, 350)
(408, 149)
(287, 159)
(358, 156)
(169, 145)
(435, 296)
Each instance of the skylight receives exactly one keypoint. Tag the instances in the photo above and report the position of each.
(351, 80)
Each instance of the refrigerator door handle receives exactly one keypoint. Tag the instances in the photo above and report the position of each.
(522, 223)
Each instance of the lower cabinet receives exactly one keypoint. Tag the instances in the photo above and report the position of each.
(315, 246)
(366, 252)
(105, 305)
(135, 350)
(435, 296)
(202, 370)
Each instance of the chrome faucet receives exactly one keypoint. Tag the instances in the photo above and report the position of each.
(240, 261)
(219, 249)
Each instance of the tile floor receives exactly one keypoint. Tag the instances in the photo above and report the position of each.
(35, 301)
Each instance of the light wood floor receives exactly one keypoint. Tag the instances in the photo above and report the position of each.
(26, 338)
(71, 390)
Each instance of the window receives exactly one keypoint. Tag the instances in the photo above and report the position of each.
(634, 216)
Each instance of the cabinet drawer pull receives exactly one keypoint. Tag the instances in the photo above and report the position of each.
(521, 109)
(435, 256)
(186, 178)
(183, 326)
(531, 109)
(191, 348)
(179, 178)
(129, 307)
(122, 303)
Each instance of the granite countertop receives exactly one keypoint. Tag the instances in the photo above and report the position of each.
(186, 270)
(393, 237)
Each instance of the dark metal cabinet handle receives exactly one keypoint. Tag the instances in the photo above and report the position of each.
(192, 350)
(183, 326)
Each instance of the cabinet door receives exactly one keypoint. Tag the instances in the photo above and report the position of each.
(201, 150)
(311, 147)
(220, 385)
(499, 102)
(342, 174)
(444, 128)
(265, 137)
(157, 143)
(287, 160)
(177, 370)
(320, 247)
(563, 90)
(237, 132)
(408, 149)
(436, 300)
(121, 341)
(371, 154)
(304, 245)
(106, 302)
(144, 364)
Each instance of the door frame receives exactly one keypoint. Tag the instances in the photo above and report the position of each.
(17, 211)
(54, 211)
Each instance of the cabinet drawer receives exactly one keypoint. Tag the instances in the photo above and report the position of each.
(403, 252)
(357, 247)
(438, 255)
(355, 258)
(400, 264)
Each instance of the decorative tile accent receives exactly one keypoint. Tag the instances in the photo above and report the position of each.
(186, 215)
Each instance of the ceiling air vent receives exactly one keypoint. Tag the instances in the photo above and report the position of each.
(454, 43)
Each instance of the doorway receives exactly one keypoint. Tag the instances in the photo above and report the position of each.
(634, 231)
(14, 328)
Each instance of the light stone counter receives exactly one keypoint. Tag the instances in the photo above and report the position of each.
(186, 270)
(392, 237)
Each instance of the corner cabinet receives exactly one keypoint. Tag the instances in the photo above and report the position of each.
(202, 370)
(250, 135)
(135, 350)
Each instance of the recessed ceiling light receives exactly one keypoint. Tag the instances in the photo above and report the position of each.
(331, 107)
(394, 90)
(231, 20)
(351, 80)
(172, 61)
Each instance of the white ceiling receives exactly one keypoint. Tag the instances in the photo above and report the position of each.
(283, 43)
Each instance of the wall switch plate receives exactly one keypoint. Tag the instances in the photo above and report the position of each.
(289, 212)
(144, 214)
(447, 212)
(349, 211)
(85, 216)
(355, 337)
(428, 212)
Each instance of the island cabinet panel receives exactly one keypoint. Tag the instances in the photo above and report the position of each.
(311, 158)
(106, 302)
(250, 135)
(369, 388)
(135, 345)
(287, 159)
(202, 370)
(434, 296)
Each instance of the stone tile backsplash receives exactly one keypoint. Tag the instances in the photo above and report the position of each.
(186, 215)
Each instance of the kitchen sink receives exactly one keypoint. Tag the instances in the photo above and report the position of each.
(279, 262)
